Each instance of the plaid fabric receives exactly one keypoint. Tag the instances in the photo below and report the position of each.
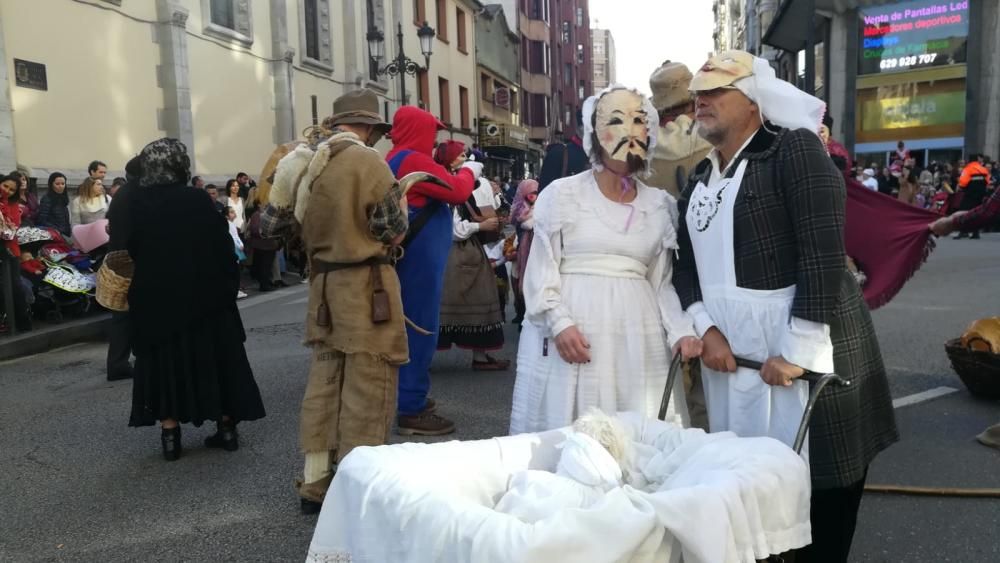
(387, 220)
(788, 230)
(276, 222)
(981, 215)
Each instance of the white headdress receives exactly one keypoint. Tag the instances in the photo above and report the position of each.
(779, 101)
(590, 106)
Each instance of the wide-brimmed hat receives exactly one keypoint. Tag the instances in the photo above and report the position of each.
(359, 106)
(722, 70)
(669, 85)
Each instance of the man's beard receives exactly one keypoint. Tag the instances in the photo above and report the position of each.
(714, 136)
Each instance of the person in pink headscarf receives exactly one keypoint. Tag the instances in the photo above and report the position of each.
(522, 217)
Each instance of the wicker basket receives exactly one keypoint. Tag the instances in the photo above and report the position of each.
(113, 280)
(979, 371)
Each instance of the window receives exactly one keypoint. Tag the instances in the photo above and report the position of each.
(444, 97)
(419, 12)
(229, 20)
(579, 53)
(460, 30)
(565, 32)
(312, 28)
(442, 20)
(223, 14)
(548, 59)
(568, 74)
(568, 112)
(424, 90)
(536, 63)
(463, 107)
(579, 16)
(486, 87)
(583, 90)
(315, 32)
(539, 10)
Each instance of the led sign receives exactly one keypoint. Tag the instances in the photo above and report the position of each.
(909, 35)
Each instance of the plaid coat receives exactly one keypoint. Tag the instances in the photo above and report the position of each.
(789, 230)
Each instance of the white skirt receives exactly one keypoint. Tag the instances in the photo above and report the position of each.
(628, 352)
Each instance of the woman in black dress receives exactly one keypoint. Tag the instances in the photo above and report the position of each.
(191, 365)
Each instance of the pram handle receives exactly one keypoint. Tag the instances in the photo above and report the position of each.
(817, 382)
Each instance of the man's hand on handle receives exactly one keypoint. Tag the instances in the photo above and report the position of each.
(716, 354)
(779, 372)
(573, 346)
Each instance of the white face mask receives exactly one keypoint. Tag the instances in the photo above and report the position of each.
(621, 126)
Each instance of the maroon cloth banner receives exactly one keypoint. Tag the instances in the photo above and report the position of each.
(889, 240)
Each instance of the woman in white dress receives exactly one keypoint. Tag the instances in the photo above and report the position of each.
(602, 314)
(234, 200)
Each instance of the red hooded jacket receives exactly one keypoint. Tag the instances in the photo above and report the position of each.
(415, 129)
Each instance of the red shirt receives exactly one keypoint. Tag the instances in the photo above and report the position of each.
(415, 129)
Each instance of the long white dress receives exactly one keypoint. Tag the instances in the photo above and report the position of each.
(604, 267)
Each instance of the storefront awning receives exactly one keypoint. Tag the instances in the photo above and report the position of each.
(790, 25)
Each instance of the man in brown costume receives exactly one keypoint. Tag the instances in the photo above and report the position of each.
(679, 148)
(353, 215)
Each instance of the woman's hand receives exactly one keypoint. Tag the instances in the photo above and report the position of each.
(573, 346)
(779, 372)
(945, 225)
(716, 354)
(489, 225)
(689, 347)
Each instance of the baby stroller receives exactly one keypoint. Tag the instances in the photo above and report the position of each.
(716, 498)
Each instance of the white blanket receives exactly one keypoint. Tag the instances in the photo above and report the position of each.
(711, 498)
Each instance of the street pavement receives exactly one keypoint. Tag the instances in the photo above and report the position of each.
(77, 484)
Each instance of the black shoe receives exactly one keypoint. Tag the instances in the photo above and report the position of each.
(225, 437)
(171, 440)
(266, 287)
(310, 507)
(279, 283)
(975, 236)
(959, 236)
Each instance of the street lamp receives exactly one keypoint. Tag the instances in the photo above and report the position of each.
(401, 65)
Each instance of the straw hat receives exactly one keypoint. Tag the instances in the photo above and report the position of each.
(669, 85)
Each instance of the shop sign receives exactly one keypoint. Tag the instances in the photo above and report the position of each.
(922, 110)
(501, 97)
(30, 75)
(910, 35)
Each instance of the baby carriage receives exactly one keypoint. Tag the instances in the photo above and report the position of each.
(61, 277)
(702, 498)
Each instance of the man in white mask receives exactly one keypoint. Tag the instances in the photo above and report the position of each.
(761, 269)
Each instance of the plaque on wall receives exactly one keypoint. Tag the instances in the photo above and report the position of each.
(30, 75)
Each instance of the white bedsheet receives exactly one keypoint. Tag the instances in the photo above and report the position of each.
(711, 498)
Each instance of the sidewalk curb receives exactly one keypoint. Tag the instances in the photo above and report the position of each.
(43, 340)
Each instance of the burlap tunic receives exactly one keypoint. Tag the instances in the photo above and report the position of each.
(335, 229)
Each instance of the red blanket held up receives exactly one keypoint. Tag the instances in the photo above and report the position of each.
(887, 238)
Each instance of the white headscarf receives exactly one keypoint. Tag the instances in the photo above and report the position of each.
(780, 102)
(652, 126)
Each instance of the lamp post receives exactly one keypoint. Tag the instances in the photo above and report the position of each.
(401, 65)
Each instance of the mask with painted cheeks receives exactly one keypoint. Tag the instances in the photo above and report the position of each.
(621, 126)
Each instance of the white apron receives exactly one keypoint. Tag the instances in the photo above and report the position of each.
(753, 321)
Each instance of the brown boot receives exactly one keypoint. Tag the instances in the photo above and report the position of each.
(424, 424)
(312, 494)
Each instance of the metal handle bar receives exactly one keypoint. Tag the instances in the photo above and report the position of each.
(817, 382)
